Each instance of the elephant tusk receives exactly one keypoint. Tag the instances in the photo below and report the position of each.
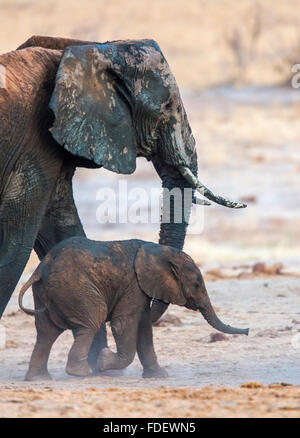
(199, 201)
(197, 185)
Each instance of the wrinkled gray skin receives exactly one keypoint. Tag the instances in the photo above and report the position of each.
(109, 104)
(81, 284)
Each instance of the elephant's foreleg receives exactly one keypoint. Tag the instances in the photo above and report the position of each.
(23, 204)
(16, 245)
(124, 330)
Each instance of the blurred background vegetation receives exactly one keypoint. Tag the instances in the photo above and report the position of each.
(207, 42)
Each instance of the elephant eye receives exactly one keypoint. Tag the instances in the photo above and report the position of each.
(169, 106)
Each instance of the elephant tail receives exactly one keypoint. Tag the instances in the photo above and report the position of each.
(36, 276)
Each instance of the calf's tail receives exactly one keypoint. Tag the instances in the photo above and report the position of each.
(36, 276)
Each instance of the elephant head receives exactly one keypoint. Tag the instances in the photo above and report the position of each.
(171, 276)
(119, 100)
(116, 101)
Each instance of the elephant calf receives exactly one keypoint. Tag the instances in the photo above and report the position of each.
(81, 284)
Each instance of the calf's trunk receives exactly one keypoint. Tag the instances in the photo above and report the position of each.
(209, 314)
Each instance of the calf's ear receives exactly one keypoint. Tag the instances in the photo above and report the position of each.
(158, 269)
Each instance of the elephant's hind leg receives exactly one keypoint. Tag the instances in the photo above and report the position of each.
(77, 360)
(47, 333)
(99, 342)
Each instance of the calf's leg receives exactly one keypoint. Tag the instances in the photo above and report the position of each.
(145, 347)
(124, 329)
(77, 360)
(47, 333)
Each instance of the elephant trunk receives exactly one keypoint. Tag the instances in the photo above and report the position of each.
(177, 204)
(175, 215)
(209, 314)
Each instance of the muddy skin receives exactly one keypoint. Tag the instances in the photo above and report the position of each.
(81, 284)
(70, 103)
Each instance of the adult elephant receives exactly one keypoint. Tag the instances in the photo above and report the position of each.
(68, 104)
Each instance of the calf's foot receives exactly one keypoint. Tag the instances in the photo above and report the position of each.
(79, 369)
(34, 376)
(107, 360)
(155, 372)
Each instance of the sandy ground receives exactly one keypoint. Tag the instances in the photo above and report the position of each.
(208, 375)
(227, 57)
(253, 400)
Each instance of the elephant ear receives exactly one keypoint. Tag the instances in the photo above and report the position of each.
(52, 43)
(158, 269)
(92, 117)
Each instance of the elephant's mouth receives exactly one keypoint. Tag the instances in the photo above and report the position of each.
(192, 304)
